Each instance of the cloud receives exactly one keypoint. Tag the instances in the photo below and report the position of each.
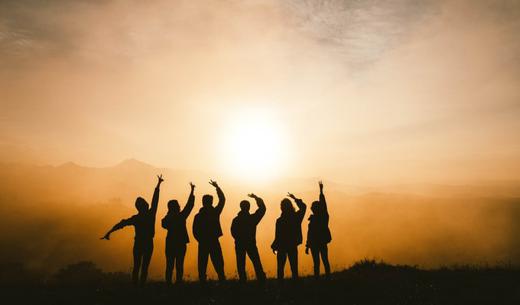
(357, 30)
(351, 76)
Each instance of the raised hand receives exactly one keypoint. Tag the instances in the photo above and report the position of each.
(214, 183)
(320, 183)
(291, 196)
(159, 179)
(252, 196)
(192, 186)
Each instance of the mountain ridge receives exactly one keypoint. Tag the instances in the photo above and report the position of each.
(137, 168)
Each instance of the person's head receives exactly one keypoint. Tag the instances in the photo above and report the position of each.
(141, 205)
(315, 207)
(244, 206)
(173, 206)
(286, 206)
(207, 201)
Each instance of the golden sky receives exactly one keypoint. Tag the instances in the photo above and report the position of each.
(365, 95)
(355, 91)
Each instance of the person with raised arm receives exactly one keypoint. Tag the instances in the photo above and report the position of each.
(207, 231)
(144, 224)
(288, 235)
(177, 236)
(243, 230)
(318, 234)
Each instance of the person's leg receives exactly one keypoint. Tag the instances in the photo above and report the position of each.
(170, 259)
(137, 263)
(179, 262)
(315, 252)
(240, 253)
(252, 251)
(203, 261)
(218, 260)
(325, 258)
(293, 261)
(281, 258)
(147, 256)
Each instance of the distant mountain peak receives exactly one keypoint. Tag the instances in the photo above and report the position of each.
(69, 164)
(133, 163)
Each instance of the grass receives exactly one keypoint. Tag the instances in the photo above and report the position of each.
(365, 282)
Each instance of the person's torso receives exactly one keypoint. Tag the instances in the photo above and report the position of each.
(318, 232)
(245, 229)
(177, 232)
(144, 225)
(290, 233)
(208, 222)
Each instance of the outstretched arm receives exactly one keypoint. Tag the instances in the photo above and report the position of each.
(155, 199)
(322, 199)
(191, 202)
(123, 223)
(221, 197)
(260, 212)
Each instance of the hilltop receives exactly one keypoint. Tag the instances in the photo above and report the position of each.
(365, 282)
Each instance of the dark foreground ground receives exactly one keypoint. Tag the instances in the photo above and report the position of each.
(366, 282)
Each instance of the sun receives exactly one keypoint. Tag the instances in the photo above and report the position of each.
(254, 145)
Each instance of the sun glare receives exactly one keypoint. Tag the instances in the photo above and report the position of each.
(254, 145)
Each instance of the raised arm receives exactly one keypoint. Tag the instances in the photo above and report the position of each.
(191, 202)
(221, 197)
(155, 199)
(302, 207)
(260, 212)
(123, 223)
(322, 199)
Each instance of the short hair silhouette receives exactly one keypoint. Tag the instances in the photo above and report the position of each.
(245, 205)
(207, 230)
(243, 230)
(141, 205)
(207, 200)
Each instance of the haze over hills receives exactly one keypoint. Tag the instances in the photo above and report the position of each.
(80, 179)
(54, 215)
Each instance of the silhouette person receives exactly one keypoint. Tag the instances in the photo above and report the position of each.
(144, 224)
(288, 235)
(177, 237)
(243, 229)
(318, 234)
(207, 230)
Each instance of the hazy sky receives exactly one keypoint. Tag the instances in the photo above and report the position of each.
(358, 91)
